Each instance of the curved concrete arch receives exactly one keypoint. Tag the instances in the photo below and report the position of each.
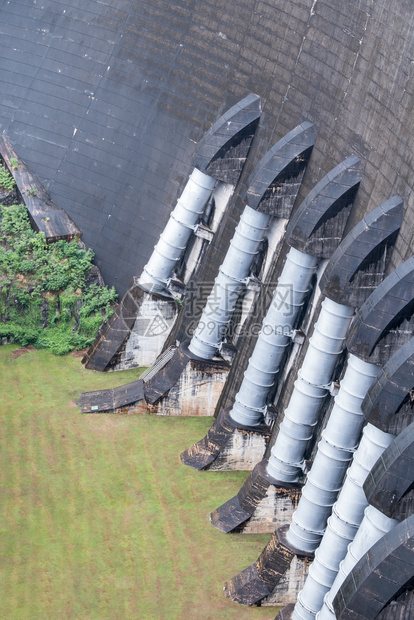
(385, 310)
(392, 475)
(375, 580)
(106, 102)
(317, 226)
(359, 263)
(223, 150)
(387, 394)
(274, 184)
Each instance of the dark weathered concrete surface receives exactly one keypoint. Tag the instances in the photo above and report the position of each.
(374, 581)
(111, 399)
(384, 322)
(274, 184)
(391, 396)
(317, 226)
(105, 101)
(218, 437)
(360, 261)
(259, 579)
(233, 513)
(388, 484)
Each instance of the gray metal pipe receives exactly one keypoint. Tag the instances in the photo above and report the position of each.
(373, 527)
(342, 526)
(229, 283)
(173, 240)
(310, 388)
(335, 451)
(274, 337)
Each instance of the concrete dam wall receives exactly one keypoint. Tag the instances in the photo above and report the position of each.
(106, 101)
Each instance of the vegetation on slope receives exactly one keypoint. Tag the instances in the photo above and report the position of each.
(99, 520)
(46, 297)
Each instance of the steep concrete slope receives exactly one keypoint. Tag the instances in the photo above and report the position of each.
(106, 100)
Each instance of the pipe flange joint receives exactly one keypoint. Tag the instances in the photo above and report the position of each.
(190, 226)
(240, 281)
(262, 410)
(329, 387)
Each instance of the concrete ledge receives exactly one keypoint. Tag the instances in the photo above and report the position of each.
(360, 262)
(113, 335)
(385, 397)
(45, 216)
(258, 581)
(112, 399)
(388, 484)
(375, 580)
(186, 386)
(261, 500)
(223, 150)
(217, 450)
(387, 307)
(275, 182)
(317, 226)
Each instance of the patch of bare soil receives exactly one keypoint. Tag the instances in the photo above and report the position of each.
(79, 353)
(18, 352)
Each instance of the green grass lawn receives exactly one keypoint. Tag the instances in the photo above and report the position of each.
(99, 519)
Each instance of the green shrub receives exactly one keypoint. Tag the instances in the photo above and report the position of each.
(6, 180)
(44, 296)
